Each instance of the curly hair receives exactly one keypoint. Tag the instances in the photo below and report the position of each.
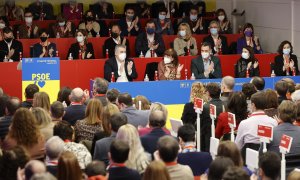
(280, 48)
(198, 91)
(24, 128)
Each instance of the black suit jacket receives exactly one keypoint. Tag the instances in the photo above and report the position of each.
(111, 65)
(122, 173)
(123, 24)
(141, 44)
(189, 115)
(149, 141)
(36, 10)
(242, 68)
(38, 50)
(74, 49)
(224, 47)
(74, 113)
(197, 67)
(110, 44)
(156, 6)
(278, 66)
(16, 45)
(98, 10)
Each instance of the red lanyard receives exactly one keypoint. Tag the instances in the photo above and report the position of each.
(257, 114)
(99, 95)
(171, 163)
(76, 103)
(118, 165)
(67, 141)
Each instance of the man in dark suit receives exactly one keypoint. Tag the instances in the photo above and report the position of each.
(130, 25)
(118, 154)
(115, 39)
(76, 111)
(137, 118)
(157, 120)
(206, 66)
(122, 68)
(30, 90)
(218, 42)
(213, 92)
(102, 145)
(10, 47)
(149, 40)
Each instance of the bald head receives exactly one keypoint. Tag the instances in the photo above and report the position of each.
(157, 118)
(76, 95)
(227, 84)
(34, 167)
(54, 147)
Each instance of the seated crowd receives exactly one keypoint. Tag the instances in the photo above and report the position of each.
(113, 136)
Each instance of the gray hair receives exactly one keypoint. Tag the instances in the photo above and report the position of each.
(76, 95)
(296, 96)
(229, 82)
(119, 46)
(54, 147)
(100, 85)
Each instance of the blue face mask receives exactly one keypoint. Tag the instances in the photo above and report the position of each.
(150, 30)
(213, 31)
(286, 51)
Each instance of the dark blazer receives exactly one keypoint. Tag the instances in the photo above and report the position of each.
(123, 24)
(111, 65)
(242, 68)
(16, 45)
(5, 122)
(123, 173)
(36, 10)
(192, 159)
(193, 24)
(149, 141)
(52, 169)
(38, 50)
(278, 65)
(102, 148)
(224, 47)
(156, 6)
(74, 113)
(287, 129)
(110, 44)
(167, 31)
(74, 49)
(205, 122)
(141, 44)
(189, 115)
(197, 67)
(98, 10)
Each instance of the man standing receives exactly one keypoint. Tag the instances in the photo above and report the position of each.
(227, 85)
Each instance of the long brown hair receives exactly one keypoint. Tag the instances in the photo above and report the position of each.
(41, 99)
(109, 110)
(24, 128)
(156, 170)
(229, 149)
(94, 111)
(68, 167)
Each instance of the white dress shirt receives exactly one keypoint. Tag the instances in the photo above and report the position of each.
(122, 76)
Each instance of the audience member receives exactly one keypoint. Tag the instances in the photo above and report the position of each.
(34, 167)
(3, 23)
(82, 49)
(90, 25)
(170, 5)
(45, 48)
(130, 25)
(189, 154)
(249, 39)
(169, 68)
(54, 147)
(291, 87)
(112, 95)
(115, 39)
(248, 89)
(272, 103)
(235, 173)
(44, 122)
(102, 145)
(269, 166)
(138, 159)
(296, 96)
(118, 154)
(163, 24)
(195, 21)
(185, 43)
(119, 68)
(297, 121)
(281, 88)
(150, 43)
(12, 11)
(247, 65)
(30, 90)
(103, 10)
(225, 25)
(141, 102)
(100, 87)
(3, 101)
(41, 10)
(65, 131)
(29, 30)
(227, 85)
(286, 62)
(76, 110)
(218, 42)
(43, 176)
(258, 82)
(62, 28)
(10, 47)
(218, 167)
(42, 100)
(156, 170)
(72, 10)
(96, 170)
(63, 96)
(57, 111)
(142, 9)
(206, 66)
(168, 149)
(68, 167)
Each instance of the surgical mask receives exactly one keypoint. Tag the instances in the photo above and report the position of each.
(150, 30)
(28, 20)
(205, 55)
(114, 35)
(2, 25)
(8, 40)
(193, 17)
(248, 33)
(213, 31)
(182, 33)
(167, 60)
(130, 16)
(122, 56)
(79, 39)
(89, 18)
(162, 17)
(62, 24)
(286, 51)
(221, 17)
(245, 55)
(43, 39)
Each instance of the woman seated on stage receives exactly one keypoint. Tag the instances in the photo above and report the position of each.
(185, 44)
(44, 48)
(249, 39)
(247, 62)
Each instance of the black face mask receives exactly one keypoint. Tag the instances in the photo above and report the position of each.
(43, 39)
(89, 18)
(114, 35)
(8, 39)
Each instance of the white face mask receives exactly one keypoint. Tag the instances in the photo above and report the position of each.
(182, 33)
(221, 18)
(28, 20)
(61, 24)
(79, 39)
(162, 17)
(245, 55)
(205, 55)
(167, 60)
(286, 51)
(122, 56)
(193, 17)
(2, 25)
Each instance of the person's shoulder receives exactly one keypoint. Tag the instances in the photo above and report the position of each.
(196, 59)
(215, 58)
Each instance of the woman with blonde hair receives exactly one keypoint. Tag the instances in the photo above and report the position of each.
(156, 171)
(185, 44)
(189, 115)
(44, 122)
(138, 159)
(145, 103)
(68, 167)
(41, 99)
(92, 123)
(24, 132)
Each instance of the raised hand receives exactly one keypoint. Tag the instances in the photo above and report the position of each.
(249, 65)
(129, 66)
(89, 55)
(255, 65)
